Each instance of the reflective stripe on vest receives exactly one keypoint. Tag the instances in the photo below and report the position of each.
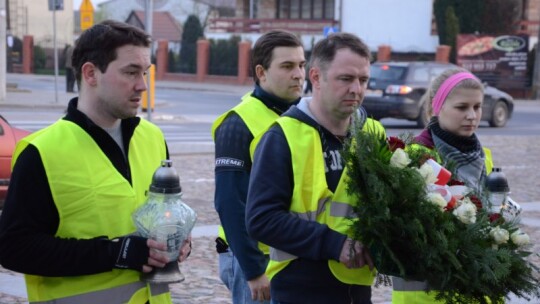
(120, 294)
(415, 297)
(400, 284)
(314, 201)
(258, 118)
(281, 256)
(90, 194)
(414, 292)
(337, 209)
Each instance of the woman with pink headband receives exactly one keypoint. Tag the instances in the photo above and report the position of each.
(455, 109)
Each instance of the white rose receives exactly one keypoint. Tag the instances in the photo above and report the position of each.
(466, 212)
(400, 159)
(437, 199)
(427, 173)
(499, 235)
(520, 238)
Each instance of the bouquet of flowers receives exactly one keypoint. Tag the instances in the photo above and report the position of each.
(420, 224)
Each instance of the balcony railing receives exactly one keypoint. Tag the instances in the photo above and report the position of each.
(246, 25)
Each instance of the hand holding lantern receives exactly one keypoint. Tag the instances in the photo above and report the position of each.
(166, 219)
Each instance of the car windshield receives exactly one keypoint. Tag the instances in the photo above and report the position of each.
(387, 72)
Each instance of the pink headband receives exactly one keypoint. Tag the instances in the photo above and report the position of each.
(446, 88)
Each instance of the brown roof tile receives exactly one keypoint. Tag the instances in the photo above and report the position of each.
(163, 25)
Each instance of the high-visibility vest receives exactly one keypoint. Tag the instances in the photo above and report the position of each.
(413, 292)
(257, 117)
(312, 200)
(93, 199)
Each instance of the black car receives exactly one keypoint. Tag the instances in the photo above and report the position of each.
(398, 90)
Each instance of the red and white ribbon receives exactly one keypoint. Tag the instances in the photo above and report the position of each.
(443, 175)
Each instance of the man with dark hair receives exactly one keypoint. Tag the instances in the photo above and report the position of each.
(67, 220)
(297, 198)
(278, 70)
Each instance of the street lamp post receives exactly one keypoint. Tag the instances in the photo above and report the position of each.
(55, 5)
(148, 26)
(55, 58)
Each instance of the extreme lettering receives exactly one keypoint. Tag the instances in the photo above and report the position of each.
(229, 162)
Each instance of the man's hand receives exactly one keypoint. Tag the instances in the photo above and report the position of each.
(185, 250)
(157, 255)
(138, 253)
(260, 288)
(354, 255)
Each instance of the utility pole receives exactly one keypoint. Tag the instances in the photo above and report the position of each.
(148, 27)
(3, 29)
(55, 58)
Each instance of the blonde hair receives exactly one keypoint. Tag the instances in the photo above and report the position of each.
(439, 80)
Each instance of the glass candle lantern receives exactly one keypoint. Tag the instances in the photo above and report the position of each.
(165, 218)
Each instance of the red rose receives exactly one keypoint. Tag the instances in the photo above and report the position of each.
(493, 217)
(455, 182)
(394, 143)
(451, 205)
(475, 200)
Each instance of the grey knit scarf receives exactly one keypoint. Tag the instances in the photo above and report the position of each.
(465, 153)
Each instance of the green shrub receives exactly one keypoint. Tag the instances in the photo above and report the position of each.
(40, 58)
(224, 56)
(188, 52)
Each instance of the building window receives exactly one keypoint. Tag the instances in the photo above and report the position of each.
(317, 9)
(329, 9)
(295, 9)
(305, 9)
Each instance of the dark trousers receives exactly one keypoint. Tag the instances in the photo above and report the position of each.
(70, 80)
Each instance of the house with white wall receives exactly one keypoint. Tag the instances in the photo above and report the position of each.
(31, 17)
(406, 26)
(179, 9)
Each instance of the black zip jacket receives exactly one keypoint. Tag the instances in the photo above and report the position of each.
(308, 278)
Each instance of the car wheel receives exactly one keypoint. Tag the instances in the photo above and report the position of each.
(499, 116)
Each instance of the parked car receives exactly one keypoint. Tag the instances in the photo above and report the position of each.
(398, 90)
(9, 136)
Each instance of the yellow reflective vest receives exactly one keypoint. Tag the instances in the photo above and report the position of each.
(93, 199)
(257, 117)
(312, 199)
(413, 292)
